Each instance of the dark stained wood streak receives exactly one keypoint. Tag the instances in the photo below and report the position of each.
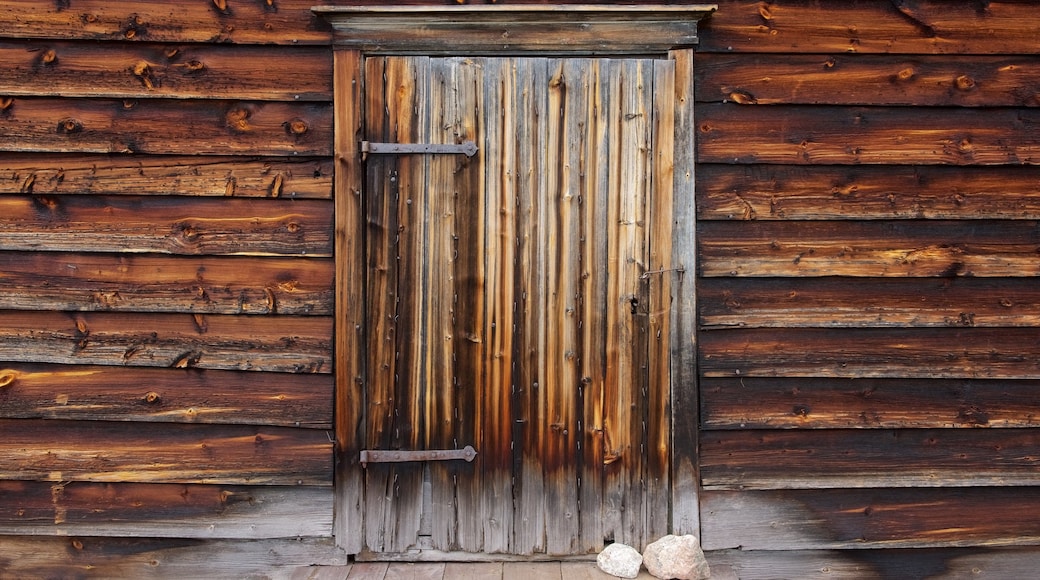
(782, 192)
(276, 344)
(57, 174)
(947, 248)
(166, 126)
(799, 134)
(128, 71)
(849, 458)
(174, 225)
(954, 353)
(107, 393)
(829, 403)
(829, 79)
(869, 302)
(163, 510)
(169, 453)
(150, 283)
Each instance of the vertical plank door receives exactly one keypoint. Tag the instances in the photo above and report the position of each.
(516, 301)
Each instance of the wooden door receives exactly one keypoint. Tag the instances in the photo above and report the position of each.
(516, 301)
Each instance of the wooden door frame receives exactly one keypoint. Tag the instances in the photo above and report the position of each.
(514, 30)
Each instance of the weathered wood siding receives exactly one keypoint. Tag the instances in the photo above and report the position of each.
(166, 283)
(868, 236)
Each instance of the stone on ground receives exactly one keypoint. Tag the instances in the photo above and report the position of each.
(676, 557)
(620, 560)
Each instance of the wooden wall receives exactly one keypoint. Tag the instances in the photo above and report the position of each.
(166, 287)
(868, 257)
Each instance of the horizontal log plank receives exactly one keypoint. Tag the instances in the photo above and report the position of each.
(174, 225)
(868, 302)
(140, 558)
(954, 353)
(282, 559)
(928, 27)
(55, 174)
(163, 510)
(273, 22)
(877, 564)
(859, 458)
(277, 344)
(855, 518)
(63, 451)
(870, 249)
(154, 283)
(106, 393)
(798, 192)
(799, 134)
(962, 81)
(166, 126)
(139, 70)
(814, 403)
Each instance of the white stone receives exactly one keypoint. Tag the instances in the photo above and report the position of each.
(676, 557)
(620, 560)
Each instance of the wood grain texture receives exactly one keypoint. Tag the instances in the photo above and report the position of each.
(55, 174)
(850, 458)
(100, 393)
(275, 344)
(813, 403)
(129, 71)
(928, 27)
(151, 283)
(904, 80)
(898, 518)
(933, 248)
(174, 225)
(834, 302)
(786, 192)
(164, 510)
(166, 126)
(953, 353)
(164, 453)
(799, 134)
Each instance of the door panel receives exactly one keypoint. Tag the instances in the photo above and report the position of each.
(509, 304)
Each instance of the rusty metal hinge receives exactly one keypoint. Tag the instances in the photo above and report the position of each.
(467, 148)
(467, 453)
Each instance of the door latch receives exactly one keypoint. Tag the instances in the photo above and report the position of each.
(467, 453)
(467, 148)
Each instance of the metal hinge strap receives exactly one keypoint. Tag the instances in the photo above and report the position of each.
(467, 148)
(467, 453)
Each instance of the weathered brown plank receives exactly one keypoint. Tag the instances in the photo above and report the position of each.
(877, 564)
(868, 302)
(149, 283)
(870, 249)
(787, 403)
(121, 70)
(964, 81)
(82, 556)
(998, 353)
(415, 571)
(862, 458)
(278, 344)
(98, 393)
(273, 22)
(931, 27)
(163, 452)
(164, 510)
(175, 225)
(778, 192)
(799, 134)
(896, 518)
(166, 126)
(48, 174)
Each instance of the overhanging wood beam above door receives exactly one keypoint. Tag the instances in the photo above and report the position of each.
(516, 29)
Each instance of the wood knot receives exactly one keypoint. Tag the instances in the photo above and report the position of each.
(152, 398)
(7, 377)
(238, 119)
(49, 56)
(171, 53)
(221, 5)
(743, 98)
(964, 82)
(296, 127)
(143, 71)
(6, 103)
(194, 66)
(68, 126)
(905, 74)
